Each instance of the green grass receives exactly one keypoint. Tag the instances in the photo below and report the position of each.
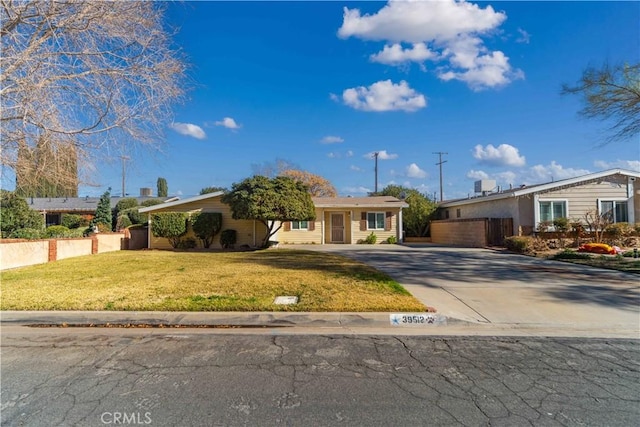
(204, 281)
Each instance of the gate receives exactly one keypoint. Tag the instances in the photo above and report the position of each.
(498, 229)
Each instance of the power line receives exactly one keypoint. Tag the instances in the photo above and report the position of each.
(440, 162)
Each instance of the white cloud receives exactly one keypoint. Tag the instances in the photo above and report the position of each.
(356, 168)
(382, 155)
(452, 30)
(349, 153)
(188, 129)
(633, 165)
(330, 139)
(333, 155)
(474, 174)
(506, 177)
(524, 36)
(395, 54)
(553, 172)
(482, 71)
(538, 174)
(384, 96)
(414, 171)
(228, 122)
(503, 155)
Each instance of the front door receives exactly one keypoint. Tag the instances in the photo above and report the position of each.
(337, 228)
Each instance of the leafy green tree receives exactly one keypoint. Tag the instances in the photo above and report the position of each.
(103, 211)
(417, 217)
(16, 214)
(163, 187)
(270, 201)
(170, 225)
(208, 190)
(611, 93)
(206, 225)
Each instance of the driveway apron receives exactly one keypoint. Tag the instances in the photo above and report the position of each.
(486, 286)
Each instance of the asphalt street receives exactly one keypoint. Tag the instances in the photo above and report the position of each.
(197, 377)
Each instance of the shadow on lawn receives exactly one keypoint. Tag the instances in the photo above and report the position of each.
(316, 261)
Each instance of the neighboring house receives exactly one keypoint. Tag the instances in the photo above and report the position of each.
(519, 211)
(338, 220)
(52, 208)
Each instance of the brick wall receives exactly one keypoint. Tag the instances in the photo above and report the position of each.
(20, 253)
(463, 232)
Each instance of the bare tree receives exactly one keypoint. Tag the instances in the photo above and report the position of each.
(272, 169)
(598, 223)
(101, 76)
(611, 93)
(318, 185)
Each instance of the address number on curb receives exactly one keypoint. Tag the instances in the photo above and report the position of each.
(411, 319)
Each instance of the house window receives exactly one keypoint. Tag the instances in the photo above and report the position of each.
(299, 225)
(617, 209)
(458, 213)
(550, 211)
(53, 219)
(446, 214)
(375, 220)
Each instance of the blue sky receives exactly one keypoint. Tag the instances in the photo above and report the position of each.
(324, 84)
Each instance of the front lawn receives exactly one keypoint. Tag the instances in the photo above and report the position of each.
(204, 281)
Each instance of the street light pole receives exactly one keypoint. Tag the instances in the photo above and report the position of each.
(440, 162)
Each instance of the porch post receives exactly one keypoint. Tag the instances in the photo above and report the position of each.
(322, 228)
(399, 233)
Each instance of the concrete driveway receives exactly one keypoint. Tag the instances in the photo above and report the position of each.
(490, 287)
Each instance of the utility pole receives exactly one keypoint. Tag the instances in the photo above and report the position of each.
(440, 162)
(375, 155)
(124, 160)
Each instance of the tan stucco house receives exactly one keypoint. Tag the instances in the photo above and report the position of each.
(338, 220)
(347, 220)
(486, 219)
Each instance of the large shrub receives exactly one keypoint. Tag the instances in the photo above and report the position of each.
(150, 202)
(73, 221)
(170, 225)
(206, 225)
(525, 244)
(134, 215)
(123, 222)
(56, 231)
(26, 233)
(228, 238)
(16, 214)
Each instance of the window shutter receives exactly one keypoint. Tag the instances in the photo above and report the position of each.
(387, 221)
(363, 221)
(311, 225)
(287, 226)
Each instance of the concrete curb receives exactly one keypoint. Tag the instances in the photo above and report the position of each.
(246, 319)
